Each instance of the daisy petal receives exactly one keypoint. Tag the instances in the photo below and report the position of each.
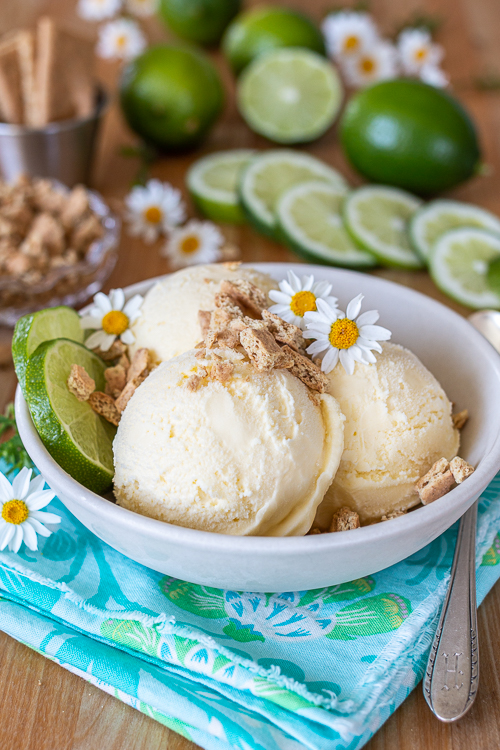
(354, 307)
(6, 535)
(368, 318)
(117, 299)
(307, 283)
(294, 281)
(96, 340)
(30, 539)
(133, 305)
(39, 500)
(367, 344)
(322, 289)
(17, 539)
(327, 311)
(90, 321)
(280, 297)
(108, 341)
(101, 301)
(317, 348)
(347, 361)
(40, 530)
(375, 332)
(21, 484)
(43, 517)
(127, 337)
(287, 288)
(5, 489)
(37, 484)
(330, 360)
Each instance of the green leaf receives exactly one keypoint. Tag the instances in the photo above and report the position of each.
(12, 451)
(242, 633)
(377, 614)
(183, 646)
(269, 690)
(339, 593)
(132, 634)
(492, 556)
(203, 601)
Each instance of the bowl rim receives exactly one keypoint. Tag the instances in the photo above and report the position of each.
(301, 545)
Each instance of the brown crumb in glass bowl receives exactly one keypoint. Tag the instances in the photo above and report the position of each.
(57, 246)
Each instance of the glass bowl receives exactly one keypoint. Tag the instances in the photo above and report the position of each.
(68, 285)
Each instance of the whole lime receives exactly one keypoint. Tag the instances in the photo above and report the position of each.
(201, 21)
(171, 96)
(409, 134)
(265, 28)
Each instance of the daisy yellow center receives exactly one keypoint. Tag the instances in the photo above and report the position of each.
(15, 511)
(153, 215)
(121, 41)
(367, 65)
(420, 54)
(351, 43)
(303, 302)
(343, 333)
(115, 322)
(190, 244)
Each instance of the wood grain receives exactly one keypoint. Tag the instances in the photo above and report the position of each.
(43, 707)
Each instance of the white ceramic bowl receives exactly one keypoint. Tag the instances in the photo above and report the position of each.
(469, 370)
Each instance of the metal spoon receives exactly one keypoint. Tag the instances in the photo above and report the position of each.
(452, 675)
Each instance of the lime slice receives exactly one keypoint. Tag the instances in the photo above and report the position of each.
(310, 221)
(32, 329)
(213, 181)
(270, 174)
(459, 263)
(377, 217)
(75, 436)
(436, 218)
(289, 95)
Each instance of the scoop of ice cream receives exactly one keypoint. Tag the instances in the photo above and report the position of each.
(251, 456)
(398, 423)
(168, 324)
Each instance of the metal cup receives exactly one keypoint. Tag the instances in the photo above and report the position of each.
(60, 150)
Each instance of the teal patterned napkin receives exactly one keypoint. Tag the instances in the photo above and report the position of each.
(322, 669)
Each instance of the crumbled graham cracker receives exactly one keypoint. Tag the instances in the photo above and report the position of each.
(460, 469)
(227, 303)
(193, 382)
(393, 514)
(460, 419)
(345, 519)
(307, 371)
(437, 482)
(220, 332)
(115, 350)
(248, 296)
(204, 317)
(116, 380)
(104, 405)
(222, 371)
(124, 362)
(138, 370)
(80, 384)
(264, 352)
(232, 265)
(314, 531)
(285, 333)
(126, 395)
(201, 353)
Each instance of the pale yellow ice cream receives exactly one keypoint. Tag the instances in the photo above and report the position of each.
(168, 324)
(398, 423)
(252, 456)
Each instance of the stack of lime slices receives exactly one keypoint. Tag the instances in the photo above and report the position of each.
(44, 347)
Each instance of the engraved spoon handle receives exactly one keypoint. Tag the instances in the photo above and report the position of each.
(452, 674)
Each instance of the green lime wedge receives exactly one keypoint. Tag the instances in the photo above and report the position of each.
(75, 436)
(493, 275)
(270, 174)
(310, 221)
(430, 222)
(32, 329)
(459, 264)
(213, 181)
(377, 217)
(290, 95)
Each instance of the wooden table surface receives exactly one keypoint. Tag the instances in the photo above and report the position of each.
(44, 707)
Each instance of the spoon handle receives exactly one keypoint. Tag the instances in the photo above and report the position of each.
(452, 674)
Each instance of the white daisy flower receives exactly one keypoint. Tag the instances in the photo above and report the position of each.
(379, 63)
(98, 10)
(417, 50)
(142, 8)
(434, 76)
(349, 33)
(20, 516)
(196, 242)
(297, 296)
(348, 336)
(154, 209)
(122, 39)
(112, 316)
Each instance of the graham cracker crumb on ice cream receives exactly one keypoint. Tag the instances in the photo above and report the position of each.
(169, 323)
